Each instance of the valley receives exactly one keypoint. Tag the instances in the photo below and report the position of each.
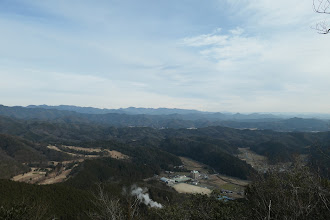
(51, 153)
(205, 181)
(164, 110)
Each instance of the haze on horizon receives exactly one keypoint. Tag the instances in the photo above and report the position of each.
(219, 55)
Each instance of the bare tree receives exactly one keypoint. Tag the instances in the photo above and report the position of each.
(112, 208)
(322, 7)
(132, 204)
(109, 208)
(296, 194)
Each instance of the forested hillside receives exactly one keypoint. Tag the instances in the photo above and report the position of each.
(25, 142)
(210, 145)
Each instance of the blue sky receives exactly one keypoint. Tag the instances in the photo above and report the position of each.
(215, 55)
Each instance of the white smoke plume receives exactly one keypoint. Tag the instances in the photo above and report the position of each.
(144, 197)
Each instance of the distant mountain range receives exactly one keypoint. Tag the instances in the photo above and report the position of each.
(171, 111)
(190, 114)
(162, 118)
(130, 110)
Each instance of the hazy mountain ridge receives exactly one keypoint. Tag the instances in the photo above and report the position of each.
(171, 111)
(160, 111)
(188, 120)
(130, 110)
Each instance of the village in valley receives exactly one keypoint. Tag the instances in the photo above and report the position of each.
(191, 177)
(194, 177)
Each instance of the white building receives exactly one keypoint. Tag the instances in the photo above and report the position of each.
(194, 174)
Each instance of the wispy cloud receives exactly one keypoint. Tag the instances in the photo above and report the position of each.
(205, 40)
(231, 46)
(248, 55)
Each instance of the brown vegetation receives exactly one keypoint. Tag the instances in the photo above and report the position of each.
(187, 188)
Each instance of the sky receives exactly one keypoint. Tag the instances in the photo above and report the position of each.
(213, 55)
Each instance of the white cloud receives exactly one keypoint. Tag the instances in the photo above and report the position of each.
(270, 13)
(237, 48)
(231, 46)
(205, 40)
(278, 68)
(237, 31)
(264, 56)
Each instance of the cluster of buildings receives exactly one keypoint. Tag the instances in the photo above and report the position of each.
(178, 179)
(193, 178)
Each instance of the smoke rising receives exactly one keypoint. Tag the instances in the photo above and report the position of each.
(144, 197)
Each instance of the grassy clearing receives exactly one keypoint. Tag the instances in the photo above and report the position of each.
(190, 189)
(231, 187)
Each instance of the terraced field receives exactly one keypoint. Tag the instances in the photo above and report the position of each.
(60, 171)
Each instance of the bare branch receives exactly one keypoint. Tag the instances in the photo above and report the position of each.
(295, 194)
(109, 208)
(321, 6)
(322, 27)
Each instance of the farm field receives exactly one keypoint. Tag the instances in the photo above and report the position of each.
(53, 178)
(187, 188)
(107, 153)
(30, 177)
(35, 176)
